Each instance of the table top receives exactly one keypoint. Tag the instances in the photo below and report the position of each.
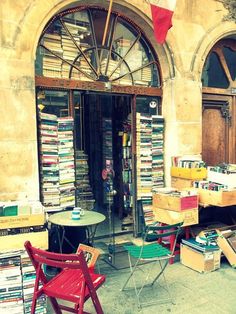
(89, 218)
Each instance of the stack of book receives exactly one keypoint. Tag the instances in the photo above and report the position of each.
(84, 194)
(49, 168)
(51, 63)
(110, 68)
(28, 282)
(11, 294)
(144, 164)
(146, 76)
(66, 161)
(201, 247)
(157, 152)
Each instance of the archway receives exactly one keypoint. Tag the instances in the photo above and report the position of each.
(101, 80)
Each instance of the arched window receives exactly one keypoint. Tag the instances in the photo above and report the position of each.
(73, 46)
(220, 66)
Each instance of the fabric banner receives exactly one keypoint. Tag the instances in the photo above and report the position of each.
(162, 12)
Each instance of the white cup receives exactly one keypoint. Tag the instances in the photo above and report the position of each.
(75, 214)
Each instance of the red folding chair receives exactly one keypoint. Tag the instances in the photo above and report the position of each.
(75, 283)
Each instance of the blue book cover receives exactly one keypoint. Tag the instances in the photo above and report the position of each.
(199, 246)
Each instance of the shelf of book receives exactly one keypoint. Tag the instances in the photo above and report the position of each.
(127, 179)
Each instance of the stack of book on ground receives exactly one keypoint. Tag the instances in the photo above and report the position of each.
(66, 161)
(84, 194)
(157, 152)
(144, 164)
(171, 206)
(49, 167)
(201, 254)
(28, 282)
(11, 292)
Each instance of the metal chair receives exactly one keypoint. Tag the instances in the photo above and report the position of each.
(75, 283)
(155, 252)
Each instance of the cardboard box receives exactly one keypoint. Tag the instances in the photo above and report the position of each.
(224, 244)
(180, 183)
(202, 262)
(222, 178)
(175, 202)
(16, 241)
(217, 198)
(189, 217)
(22, 221)
(189, 173)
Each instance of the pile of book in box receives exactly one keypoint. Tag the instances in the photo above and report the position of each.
(203, 253)
(171, 206)
(219, 188)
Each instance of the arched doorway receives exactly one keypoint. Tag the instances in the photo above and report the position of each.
(219, 104)
(101, 79)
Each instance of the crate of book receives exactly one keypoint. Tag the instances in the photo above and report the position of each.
(181, 183)
(189, 217)
(227, 177)
(14, 239)
(217, 198)
(198, 258)
(189, 173)
(22, 221)
(175, 200)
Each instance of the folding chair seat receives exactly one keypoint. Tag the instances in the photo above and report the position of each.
(75, 283)
(156, 252)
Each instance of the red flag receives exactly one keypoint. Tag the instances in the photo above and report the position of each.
(162, 12)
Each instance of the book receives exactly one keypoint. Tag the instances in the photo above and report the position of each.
(199, 246)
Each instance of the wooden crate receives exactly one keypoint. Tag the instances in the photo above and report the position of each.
(175, 202)
(189, 217)
(189, 173)
(16, 241)
(217, 198)
(202, 262)
(222, 178)
(181, 183)
(22, 221)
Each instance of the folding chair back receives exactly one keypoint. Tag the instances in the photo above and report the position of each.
(162, 232)
(75, 283)
(91, 254)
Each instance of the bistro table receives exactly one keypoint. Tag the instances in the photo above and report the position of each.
(89, 220)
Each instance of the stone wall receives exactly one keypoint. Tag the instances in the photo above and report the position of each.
(197, 25)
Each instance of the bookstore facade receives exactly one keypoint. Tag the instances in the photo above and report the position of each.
(94, 111)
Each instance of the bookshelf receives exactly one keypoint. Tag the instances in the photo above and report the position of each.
(107, 159)
(127, 174)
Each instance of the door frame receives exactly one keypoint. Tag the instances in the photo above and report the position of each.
(226, 103)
